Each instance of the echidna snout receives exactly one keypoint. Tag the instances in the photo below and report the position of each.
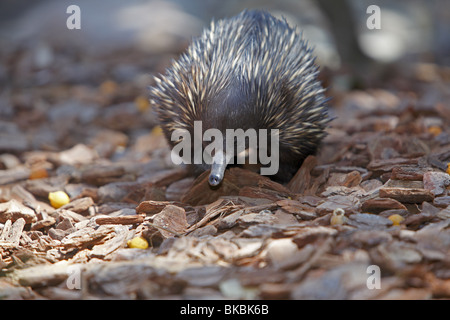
(218, 167)
(215, 179)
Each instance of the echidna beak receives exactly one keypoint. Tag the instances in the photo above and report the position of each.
(215, 180)
(218, 166)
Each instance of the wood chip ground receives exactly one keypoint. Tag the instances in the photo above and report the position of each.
(376, 194)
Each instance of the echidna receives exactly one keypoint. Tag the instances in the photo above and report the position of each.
(252, 71)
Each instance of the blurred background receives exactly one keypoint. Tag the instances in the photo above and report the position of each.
(415, 30)
(57, 83)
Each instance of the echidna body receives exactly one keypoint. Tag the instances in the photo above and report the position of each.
(249, 71)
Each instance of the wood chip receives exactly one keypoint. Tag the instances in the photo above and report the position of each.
(368, 221)
(436, 182)
(347, 203)
(219, 208)
(407, 195)
(407, 173)
(80, 206)
(171, 221)
(13, 210)
(86, 237)
(79, 154)
(303, 211)
(41, 224)
(381, 204)
(42, 276)
(151, 207)
(302, 179)
(312, 234)
(13, 175)
(42, 187)
(11, 233)
(97, 174)
(257, 192)
(387, 165)
(118, 240)
(442, 202)
(131, 219)
(351, 179)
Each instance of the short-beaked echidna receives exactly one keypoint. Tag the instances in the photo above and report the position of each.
(252, 71)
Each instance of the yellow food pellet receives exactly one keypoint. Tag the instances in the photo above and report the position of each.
(396, 219)
(108, 87)
(137, 242)
(142, 103)
(448, 168)
(58, 199)
(338, 217)
(435, 130)
(157, 130)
